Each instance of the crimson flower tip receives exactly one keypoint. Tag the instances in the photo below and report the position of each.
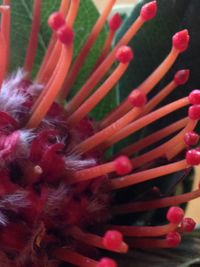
(173, 239)
(181, 40)
(175, 215)
(115, 22)
(188, 225)
(149, 11)
(56, 21)
(194, 97)
(137, 98)
(124, 54)
(181, 76)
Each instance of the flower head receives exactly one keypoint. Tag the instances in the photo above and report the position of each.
(58, 195)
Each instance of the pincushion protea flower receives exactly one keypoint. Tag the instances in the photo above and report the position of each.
(58, 195)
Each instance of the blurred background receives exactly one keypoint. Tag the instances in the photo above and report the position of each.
(194, 206)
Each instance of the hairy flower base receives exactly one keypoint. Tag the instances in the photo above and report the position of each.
(59, 199)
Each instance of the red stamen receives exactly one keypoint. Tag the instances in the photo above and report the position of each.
(67, 255)
(33, 39)
(141, 122)
(104, 67)
(125, 55)
(172, 240)
(140, 206)
(86, 48)
(115, 22)
(121, 166)
(147, 175)
(153, 138)
(142, 231)
(97, 241)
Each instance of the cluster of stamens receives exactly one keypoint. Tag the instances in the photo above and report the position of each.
(58, 196)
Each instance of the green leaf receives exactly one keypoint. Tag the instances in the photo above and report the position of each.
(21, 25)
(187, 255)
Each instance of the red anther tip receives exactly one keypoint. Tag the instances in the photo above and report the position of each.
(112, 240)
(115, 22)
(124, 54)
(56, 21)
(188, 225)
(123, 165)
(65, 35)
(181, 77)
(193, 157)
(194, 112)
(106, 262)
(149, 11)
(181, 40)
(191, 138)
(175, 215)
(137, 98)
(173, 239)
(194, 97)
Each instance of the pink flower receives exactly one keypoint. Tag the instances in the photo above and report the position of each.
(58, 194)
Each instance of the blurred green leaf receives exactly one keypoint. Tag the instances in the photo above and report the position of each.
(21, 25)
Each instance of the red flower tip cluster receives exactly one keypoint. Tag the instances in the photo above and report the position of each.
(149, 11)
(124, 54)
(115, 22)
(181, 40)
(60, 191)
(181, 77)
